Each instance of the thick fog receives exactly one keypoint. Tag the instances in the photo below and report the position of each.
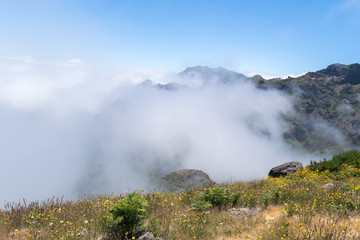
(69, 129)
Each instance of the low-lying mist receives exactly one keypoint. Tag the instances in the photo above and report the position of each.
(69, 129)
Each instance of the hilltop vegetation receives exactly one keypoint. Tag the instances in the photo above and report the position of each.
(326, 115)
(346, 163)
(309, 204)
(326, 104)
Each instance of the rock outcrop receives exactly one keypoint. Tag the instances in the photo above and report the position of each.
(285, 169)
(185, 179)
(148, 236)
(327, 108)
(213, 75)
(326, 117)
(353, 74)
(143, 235)
(244, 212)
(328, 186)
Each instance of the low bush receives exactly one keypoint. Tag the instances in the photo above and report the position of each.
(126, 216)
(337, 164)
(201, 205)
(219, 197)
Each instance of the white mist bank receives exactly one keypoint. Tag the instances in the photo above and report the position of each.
(68, 129)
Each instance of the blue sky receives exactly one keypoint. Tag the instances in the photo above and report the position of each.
(277, 37)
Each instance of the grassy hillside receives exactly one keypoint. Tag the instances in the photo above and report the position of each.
(292, 207)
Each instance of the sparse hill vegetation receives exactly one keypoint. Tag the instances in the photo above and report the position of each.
(326, 103)
(312, 203)
(343, 164)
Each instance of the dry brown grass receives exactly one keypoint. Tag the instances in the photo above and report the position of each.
(295, 207)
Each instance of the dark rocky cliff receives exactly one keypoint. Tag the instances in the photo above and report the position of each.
(327, 107)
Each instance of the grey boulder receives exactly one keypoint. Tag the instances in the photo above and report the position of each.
(148, 236)
(285, 169)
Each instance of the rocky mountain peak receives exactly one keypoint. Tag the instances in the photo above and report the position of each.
(336, 69)
(213, 75)
(353, 74)
(184, 180)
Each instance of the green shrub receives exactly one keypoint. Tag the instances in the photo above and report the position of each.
(266, 199)
(200, 205)
(215, 197)
(278, 193)
(348, 204)
(285, 228)
(235, 198)
(126, 216)
(338, 163)
(290, 208)
(154, 226)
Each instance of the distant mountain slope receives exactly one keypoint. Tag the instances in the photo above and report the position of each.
(212, 75)
(326, 102)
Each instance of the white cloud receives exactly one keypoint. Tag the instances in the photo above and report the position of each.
(69, 128)
(76, 61)
(270, 76)
(30, 84)
(348, 10)
(264, 75)
(352, 5)
(293, 76)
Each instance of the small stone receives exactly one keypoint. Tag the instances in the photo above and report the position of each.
(146, 236)
(328, 186)
(243, 212)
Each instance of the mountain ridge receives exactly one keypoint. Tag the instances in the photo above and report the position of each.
(326, 103)
(211, 75)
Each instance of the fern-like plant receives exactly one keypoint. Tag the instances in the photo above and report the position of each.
(126, 216)
(215, 197)
(200, 205)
